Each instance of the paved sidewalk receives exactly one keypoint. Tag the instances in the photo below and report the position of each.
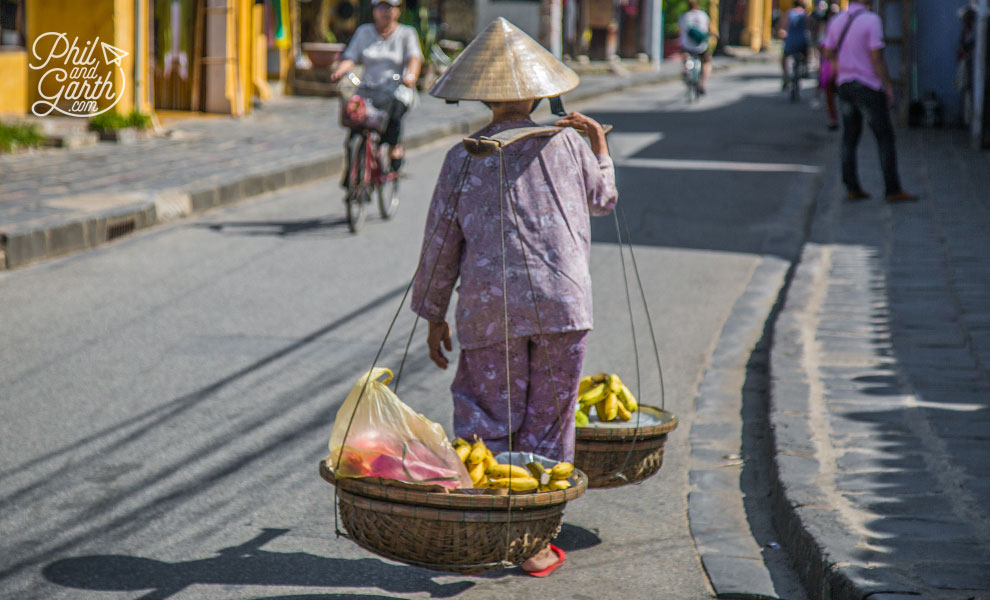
(55, 202)
(880, 395)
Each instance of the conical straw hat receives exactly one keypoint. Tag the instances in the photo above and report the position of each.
(504, 64)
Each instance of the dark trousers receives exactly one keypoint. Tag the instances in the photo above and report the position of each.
(855, 101)
(393, 129)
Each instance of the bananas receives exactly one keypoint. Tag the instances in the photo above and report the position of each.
(627, 399)
(518, 484)
(561, 470)
(592, 395)
(610, 398)
(498, 471)
(487, 473)
(478, 452)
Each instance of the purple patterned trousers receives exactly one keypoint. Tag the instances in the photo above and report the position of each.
(538, 424)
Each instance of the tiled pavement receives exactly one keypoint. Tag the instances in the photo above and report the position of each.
(880, 401)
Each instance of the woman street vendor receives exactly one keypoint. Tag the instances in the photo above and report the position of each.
(554, 184)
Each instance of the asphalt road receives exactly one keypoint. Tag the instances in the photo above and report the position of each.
(166, 399)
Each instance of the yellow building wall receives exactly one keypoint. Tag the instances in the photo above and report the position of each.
(124, 36)
(713, 15)
(245, 54)
(112, 21)
(767, 24)
(752, 35)
(13, 74)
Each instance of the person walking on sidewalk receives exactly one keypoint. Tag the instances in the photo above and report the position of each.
(855, 42)
(523, 266)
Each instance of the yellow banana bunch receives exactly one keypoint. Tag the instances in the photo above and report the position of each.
(485, 472)
(592, 395)
(476, 457)
(627, 399)
(478, 452)
(539, 472)
(518, 484)
(608, 395)
(477, 473)
(462, 448)
(553, 479)
(498, 471)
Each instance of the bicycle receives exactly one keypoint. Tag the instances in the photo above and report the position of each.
(692, 76)
(369, 168)
(795, 71)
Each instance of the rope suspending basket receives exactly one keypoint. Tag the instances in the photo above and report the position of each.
(614, 453)
(462, 530)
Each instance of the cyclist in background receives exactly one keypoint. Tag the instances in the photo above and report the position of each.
(696, 29)
(793, 29)
(391, 57)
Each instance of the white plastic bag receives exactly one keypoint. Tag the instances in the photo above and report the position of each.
(390, 440)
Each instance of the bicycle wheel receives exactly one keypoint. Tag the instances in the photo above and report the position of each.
(387, 187)
(357, 190)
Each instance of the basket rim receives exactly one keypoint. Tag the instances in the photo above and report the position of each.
(612, 433)
(452, 500)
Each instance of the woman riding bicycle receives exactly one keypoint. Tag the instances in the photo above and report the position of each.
(391, 57)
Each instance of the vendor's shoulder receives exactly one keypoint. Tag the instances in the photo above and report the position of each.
(457, 152)
(571, 139)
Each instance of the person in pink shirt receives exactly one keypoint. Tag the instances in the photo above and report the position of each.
(854, 40)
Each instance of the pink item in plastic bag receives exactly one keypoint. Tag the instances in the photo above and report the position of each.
(377, 435)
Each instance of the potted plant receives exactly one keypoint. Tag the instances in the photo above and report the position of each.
(115, 127)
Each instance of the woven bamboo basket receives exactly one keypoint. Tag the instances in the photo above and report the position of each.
(462, 531)
(602, 453)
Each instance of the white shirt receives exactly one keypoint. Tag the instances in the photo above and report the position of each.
(699, 20)
(382, 58)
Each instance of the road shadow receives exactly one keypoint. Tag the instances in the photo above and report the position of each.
(288, 228)
(247, 564)
(728, 189)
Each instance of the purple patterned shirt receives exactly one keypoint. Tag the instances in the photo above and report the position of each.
(556, 183)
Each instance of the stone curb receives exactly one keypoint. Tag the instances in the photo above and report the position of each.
(23, 246)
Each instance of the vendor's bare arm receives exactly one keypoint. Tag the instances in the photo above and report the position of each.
(438, 339)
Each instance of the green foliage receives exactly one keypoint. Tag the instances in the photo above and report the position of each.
(19, 135)
(138, 120)
(672, 10)
(425, 28)
(113, 121)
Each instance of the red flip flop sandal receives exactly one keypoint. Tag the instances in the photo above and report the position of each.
(561, 557)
